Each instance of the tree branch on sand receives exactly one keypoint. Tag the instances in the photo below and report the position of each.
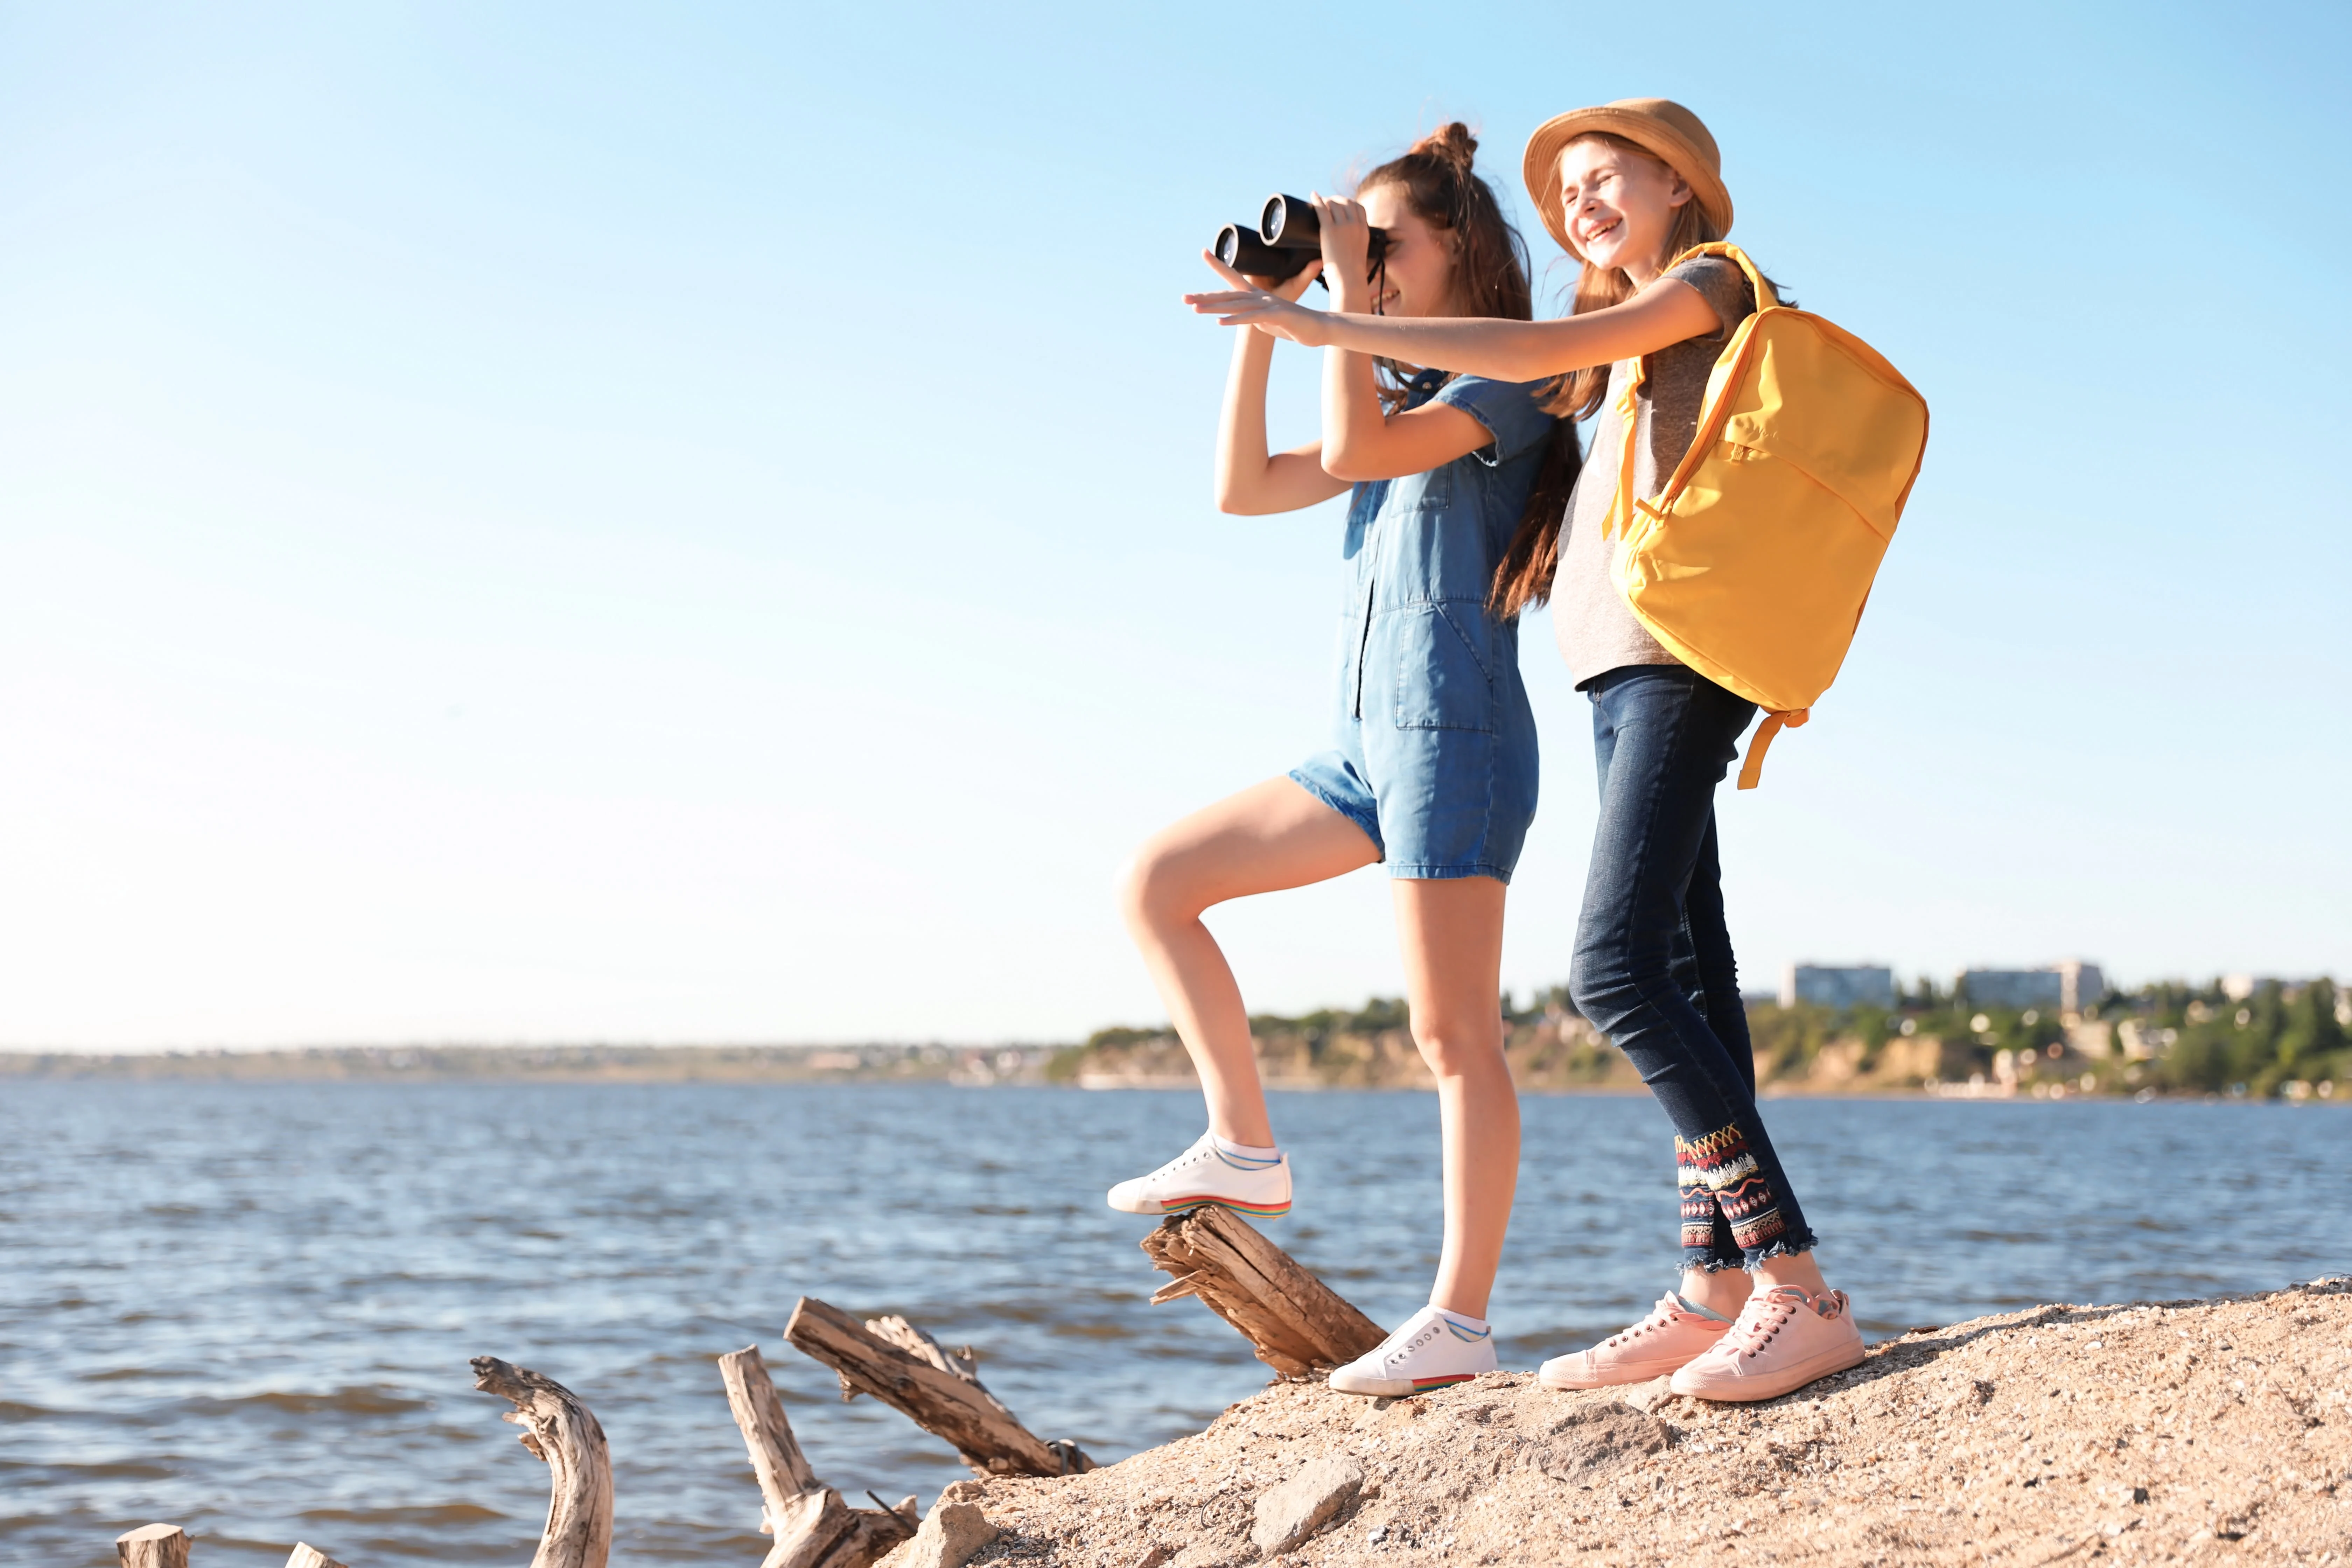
(813, 1527)
(906, 1369)
(1299, 1325)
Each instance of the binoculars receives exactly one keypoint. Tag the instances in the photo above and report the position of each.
(1287, 240)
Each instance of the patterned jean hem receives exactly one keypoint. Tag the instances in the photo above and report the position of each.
(1787, 1247)
(1708, 1263)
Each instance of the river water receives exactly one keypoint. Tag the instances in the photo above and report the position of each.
(247, 1309)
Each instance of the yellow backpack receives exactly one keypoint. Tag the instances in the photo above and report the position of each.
(1753, 561)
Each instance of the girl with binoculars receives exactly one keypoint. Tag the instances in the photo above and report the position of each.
(1628, 188)
(1431, 770)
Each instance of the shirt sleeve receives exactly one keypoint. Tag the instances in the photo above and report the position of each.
(1722, 285)
(1508, 409)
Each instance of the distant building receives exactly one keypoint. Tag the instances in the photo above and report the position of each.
(2081, 985)
(2009, 987)
(2068, 987)
(1859, 985)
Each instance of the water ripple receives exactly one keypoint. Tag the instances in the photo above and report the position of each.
(255, 1321)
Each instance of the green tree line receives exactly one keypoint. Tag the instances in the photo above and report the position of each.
(2173, 1037)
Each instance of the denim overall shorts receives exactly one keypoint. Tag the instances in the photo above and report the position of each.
(1434, 753)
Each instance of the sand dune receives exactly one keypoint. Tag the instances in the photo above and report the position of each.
(2203, 1431)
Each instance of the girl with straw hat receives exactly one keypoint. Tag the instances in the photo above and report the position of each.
(1626, 187)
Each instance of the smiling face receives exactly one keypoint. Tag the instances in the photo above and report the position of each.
(1620, 204)
(1419, 257)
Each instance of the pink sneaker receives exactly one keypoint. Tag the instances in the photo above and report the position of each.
(1675, 1331)
(1784, 1340)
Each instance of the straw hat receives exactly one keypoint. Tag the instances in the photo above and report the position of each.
(1659, 124)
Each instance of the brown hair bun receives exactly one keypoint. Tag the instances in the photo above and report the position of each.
(1451, 143)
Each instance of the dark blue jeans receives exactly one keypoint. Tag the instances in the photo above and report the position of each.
(1653, 967)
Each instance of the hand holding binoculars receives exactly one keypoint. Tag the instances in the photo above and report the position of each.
(1287, 240)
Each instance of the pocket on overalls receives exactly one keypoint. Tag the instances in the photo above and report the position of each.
(1436, 490)
(1443, 678)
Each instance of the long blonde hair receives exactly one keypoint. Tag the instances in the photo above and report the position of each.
(1598, 287)
(1524, 575)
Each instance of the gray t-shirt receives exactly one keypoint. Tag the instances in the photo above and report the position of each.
(1596, 629)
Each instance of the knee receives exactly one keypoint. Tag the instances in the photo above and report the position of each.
(1459, 1048)
(1606, 985)
(1150, 893)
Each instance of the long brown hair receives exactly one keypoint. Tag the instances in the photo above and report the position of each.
(1490, 260)
(1524, 575)
(1490, 279)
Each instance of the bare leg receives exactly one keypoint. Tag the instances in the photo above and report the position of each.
(1727, 1289)
(1269, 837)
(1452, 932)
(1723, 1290)
(1796, 1268)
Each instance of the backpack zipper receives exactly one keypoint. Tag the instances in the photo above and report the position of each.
(1712, 418)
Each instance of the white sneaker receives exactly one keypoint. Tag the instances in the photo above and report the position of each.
(1430, 1350)
(1201, 1176)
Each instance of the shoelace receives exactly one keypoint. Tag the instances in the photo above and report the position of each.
(1661, 1315)
(1766, 1314)
(1671, 1309)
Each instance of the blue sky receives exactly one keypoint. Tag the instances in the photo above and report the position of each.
(689, 523)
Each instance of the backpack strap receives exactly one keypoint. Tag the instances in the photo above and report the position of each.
(1622, 505)
(1767, 297)
(1629, 416)
(1752, 769)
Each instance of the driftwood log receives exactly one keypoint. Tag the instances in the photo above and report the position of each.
(152, 1546)
(561, 1431)
(964, 1363)
(308, 1556)
(813, 1527)
(936, 1391)
(1299, 1325)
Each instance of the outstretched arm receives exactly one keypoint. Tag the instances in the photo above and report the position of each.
(1668, 311)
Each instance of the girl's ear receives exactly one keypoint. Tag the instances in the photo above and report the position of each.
(1678, 193)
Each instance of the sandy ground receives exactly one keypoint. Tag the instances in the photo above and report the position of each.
(2187, 1431)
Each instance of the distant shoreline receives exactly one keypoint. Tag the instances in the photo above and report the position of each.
(926, 1063)
(1029, 1065)
(2283, 1041)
